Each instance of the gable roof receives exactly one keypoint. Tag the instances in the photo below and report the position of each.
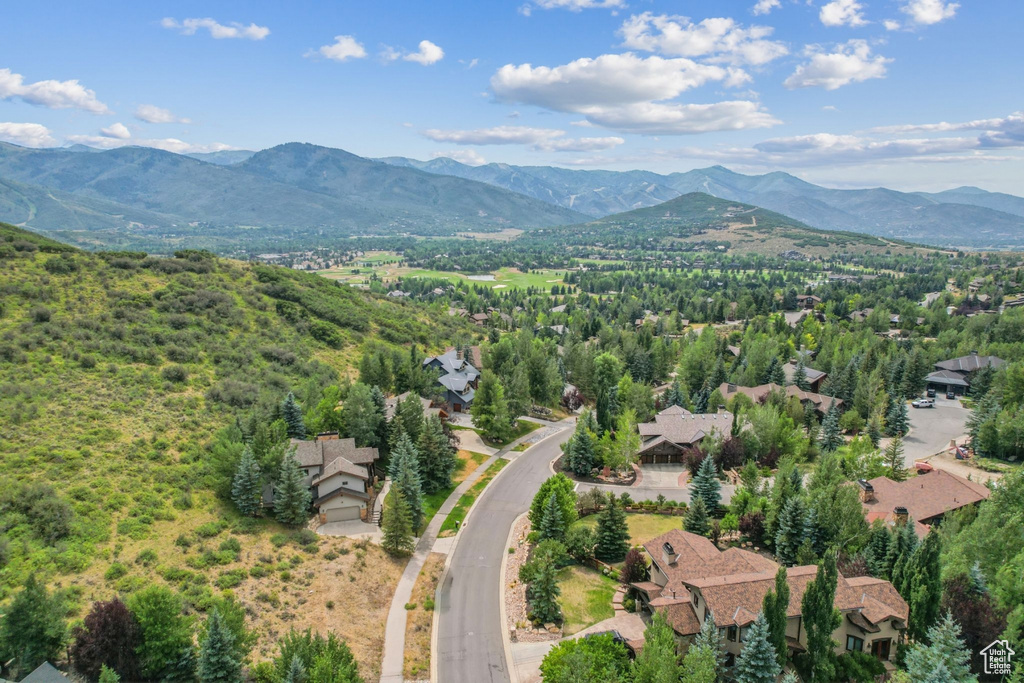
(947, 377)
(812, 375)
(391, 404)
(322, 453)
(699, 558)
(970, 363)
(45, 673)
(341, 466)
(821, 401)
(681, 427)
(925, 496)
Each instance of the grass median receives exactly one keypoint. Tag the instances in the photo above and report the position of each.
(458, 513)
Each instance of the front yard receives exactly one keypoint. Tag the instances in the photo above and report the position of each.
(642, 527)
(468, 463)
(586, 598)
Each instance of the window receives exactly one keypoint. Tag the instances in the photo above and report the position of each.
(854, 644)
(732, 634)
(695, 599)
(744, 632)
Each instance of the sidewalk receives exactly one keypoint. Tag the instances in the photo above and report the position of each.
(394, 633)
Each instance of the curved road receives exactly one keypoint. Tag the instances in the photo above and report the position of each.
(469, 641)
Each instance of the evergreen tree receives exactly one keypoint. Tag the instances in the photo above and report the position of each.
(897, 421)
(800, 374)
(518, 392)
(411, 411)
(378, 417)
(658, 661)
(362, 417)
(108, 675)
(564, 489)
(922, 587)
(894, 460)
(580, 450)
(32, 630)
(698, 666)
(944, 658)
(775, 374)
(543, 592)
(877, 549)
(490, 409)
(291, 413)
(757, 662)
(875, 430)
(696, 519)
(551, 523)
(775, 607)
(296, 671)
(437, 457)
(718, 374)
(821, 618)
(247, 485)
(396, 525)
(831, 436)
(709, 637)
(700, 401)
(790, 531)
(404, 471)
(705, 485)
(902, 547)
(291, 495)
(612, 532)
(218, 662)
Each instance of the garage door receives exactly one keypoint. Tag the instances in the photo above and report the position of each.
(343, 514)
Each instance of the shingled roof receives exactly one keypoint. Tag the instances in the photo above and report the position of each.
(925, 496)
(821, 401)
(324, 452)
(970, 363)
(682, 427)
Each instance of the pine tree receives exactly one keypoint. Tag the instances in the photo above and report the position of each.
(518, 392)
(700, 401)
(831, 436)
(945, 658)
(612, 532)
(658, 661)
(711, 638)
(543, 593)
(363, 422)
(705, 485)
(247, 485)
(902, 547)
(789, 534)
(296, 671)
(580, 450)
(218, 662)
(32, 630)
(821, 618)
(922, 587)
(396, 525)
(411, 411)
(404, 472)
(757, 662)
(897, 420)
(875, 430)
(551, 524)
(800, 374)
(490, 409)
(775, 608)
(437, 457)
(696, 519)
(775, 374)
(291, 495)
(698, 666)
(292, 415)
(894, 460)
(108, 675)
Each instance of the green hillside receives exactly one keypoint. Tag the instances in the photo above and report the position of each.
(119, 373)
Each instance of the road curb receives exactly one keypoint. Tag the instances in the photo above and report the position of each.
(506, 641)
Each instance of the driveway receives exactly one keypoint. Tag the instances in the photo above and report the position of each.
(351, 529)
(669, 480)
(470, 648)
(931, 429)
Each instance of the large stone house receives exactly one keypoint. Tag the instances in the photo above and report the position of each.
(820, 402)
(955, 374)
(691, 579)
(923, 499)
(675, 430)
(457, 377)
(340, 475)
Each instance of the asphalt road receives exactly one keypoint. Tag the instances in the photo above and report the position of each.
(932, 428)
(469, 642)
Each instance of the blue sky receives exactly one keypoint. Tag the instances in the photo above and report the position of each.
(913, 94)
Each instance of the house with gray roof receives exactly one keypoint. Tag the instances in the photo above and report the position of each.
(675, 430)
(955, 374)
(457, 377)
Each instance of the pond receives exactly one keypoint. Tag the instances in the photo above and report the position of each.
(482, 278)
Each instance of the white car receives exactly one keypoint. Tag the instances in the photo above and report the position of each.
(924, 403)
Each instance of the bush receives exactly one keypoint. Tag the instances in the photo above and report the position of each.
(209, 529)
(115, 571)
(634, 567)
(174, 373)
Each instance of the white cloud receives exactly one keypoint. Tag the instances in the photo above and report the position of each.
(765, 6)
(343, 48)
(574, 5)
(540, 139)
(927, 12)
(842, 13)
(718, 39)
(118, 131)
(153, 114)
(997, 132)
(27, 134)
(51, 94)
(629, 93)
(892, 25)
(428, 54)
(166, 144)
(851, 62)
(463, 156)
(217, 30)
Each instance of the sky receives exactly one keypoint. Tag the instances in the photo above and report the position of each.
(908, 94)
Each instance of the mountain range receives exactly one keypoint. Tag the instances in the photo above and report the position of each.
(966, 216)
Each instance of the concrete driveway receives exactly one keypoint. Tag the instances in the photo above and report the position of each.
(351, 529)
(664, 476)
(931, 429)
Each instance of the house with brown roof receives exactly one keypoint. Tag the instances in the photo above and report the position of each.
(807, 300)
(814, 377)
(675, 430)
(340, 475)
(925, 499)
(391, 405)
(691, 578)
(819, 402)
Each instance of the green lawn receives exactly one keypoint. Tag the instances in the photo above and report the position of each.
(434, 501)
(458, 513)
(642, 527)
(586, 598)
(522, 428)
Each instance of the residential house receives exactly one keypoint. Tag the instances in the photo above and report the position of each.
(479, 319)
(339, 474)
(860, 315)
(955, 374)
(691, 579)
(391, 404)
(807, 300)
(45, 673)
(457, 377)
(820, 402)
(675, 430)
(814, 377)
(923, 499)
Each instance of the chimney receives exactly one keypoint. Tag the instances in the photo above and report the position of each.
(327, 436)
(974, 353)
(731, 389)
(867, 491)
(901, 513)
(668, 553)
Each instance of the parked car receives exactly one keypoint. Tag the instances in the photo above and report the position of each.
(951, 395)
(924, 403)
(931, 393)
